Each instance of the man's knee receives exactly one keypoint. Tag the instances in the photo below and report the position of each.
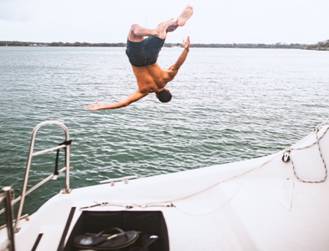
(134, 29)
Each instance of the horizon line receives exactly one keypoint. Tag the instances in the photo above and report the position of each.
(172, 43)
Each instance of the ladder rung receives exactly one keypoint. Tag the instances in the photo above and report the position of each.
(48, 150)
(36, 186)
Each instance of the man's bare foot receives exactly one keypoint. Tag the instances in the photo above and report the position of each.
(172, 24)
(163, 27)
(185, 15)
(181, 20)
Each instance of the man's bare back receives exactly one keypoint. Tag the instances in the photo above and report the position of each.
(152, 78)
(143, 53)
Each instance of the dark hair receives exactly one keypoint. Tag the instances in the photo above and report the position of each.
(164, 96)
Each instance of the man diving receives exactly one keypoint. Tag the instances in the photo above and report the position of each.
(143, 47)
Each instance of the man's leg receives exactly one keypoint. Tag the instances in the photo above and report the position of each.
(137, 32)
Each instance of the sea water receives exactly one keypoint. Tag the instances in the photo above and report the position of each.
(228, 105)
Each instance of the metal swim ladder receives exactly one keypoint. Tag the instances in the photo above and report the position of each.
(66, 145)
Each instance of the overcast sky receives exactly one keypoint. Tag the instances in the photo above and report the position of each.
(214, 21)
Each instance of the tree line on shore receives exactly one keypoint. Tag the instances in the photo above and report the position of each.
(318, 46)
(60, 44)
(322, 46)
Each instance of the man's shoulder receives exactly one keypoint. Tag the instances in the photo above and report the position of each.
(172, 71)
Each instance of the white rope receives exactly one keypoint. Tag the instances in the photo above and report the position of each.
(170, 203)
(186, 197)
(317, 142)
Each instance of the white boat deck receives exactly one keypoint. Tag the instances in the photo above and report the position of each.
(257, 204)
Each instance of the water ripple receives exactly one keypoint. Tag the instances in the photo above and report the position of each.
(228, 105)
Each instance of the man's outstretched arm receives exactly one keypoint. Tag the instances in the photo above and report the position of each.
(122, 103)
(181, 59)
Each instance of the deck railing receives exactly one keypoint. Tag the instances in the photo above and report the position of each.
(64, 145)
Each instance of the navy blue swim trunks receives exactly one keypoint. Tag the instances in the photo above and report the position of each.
(145, 52)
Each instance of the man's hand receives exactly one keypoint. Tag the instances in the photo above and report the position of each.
(186, 43)
(181, 59)
(94, 107)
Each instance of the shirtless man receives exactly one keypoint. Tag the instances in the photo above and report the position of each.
(143, 53)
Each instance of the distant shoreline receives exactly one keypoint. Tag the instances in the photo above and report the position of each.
(319, 46)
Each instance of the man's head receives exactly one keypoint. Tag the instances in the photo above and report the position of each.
(164, 95)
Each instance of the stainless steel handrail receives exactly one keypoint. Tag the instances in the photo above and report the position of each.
(29, 163)
(6, 199)
(36, 186)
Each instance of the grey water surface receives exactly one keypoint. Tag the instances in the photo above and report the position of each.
(228, 105)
